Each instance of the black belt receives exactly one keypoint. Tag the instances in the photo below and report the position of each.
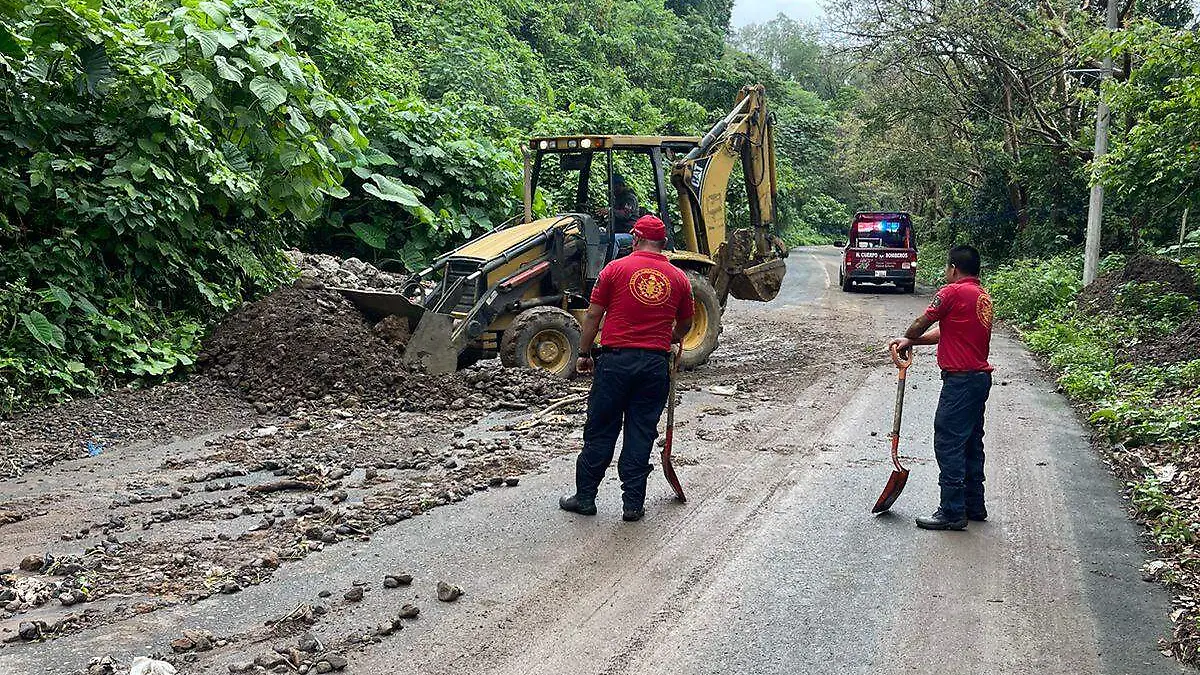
(964, 373)
(618, 350)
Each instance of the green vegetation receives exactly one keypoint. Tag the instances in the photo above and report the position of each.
(1149, 410)
(157, 155)
(980, 118)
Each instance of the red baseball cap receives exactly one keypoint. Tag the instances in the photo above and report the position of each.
(650, 228)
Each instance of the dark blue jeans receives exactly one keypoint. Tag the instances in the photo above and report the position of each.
(629, 390)
(958, 442)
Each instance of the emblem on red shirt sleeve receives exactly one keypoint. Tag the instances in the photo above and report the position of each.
(650, 286)
(983, 310)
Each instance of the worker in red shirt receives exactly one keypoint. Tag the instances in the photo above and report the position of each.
(646, 305)
(963, 311)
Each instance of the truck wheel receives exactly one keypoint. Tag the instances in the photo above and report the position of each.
(908, 288)
(542, 338)
(847, 285)
(701, 340)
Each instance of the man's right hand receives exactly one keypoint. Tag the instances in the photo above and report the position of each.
(584, 365)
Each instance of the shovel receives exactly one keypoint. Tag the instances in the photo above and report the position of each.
(899, 477)
(668, 468)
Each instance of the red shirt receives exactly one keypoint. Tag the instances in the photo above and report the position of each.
(964, 311)
(644, 295)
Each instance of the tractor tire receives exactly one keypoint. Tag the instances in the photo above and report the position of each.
(542, 338)
(701, 340)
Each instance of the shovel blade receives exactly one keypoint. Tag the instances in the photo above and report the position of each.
(669, 469)
(891, 491)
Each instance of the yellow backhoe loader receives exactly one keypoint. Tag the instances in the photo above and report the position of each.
(520, 291)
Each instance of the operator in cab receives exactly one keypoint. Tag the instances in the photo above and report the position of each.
(963, 311)
(646, 305)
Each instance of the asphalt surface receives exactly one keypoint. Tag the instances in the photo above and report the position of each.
(775, 564)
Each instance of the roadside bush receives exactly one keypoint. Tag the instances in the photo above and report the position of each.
(1024, 290)
(149, 175)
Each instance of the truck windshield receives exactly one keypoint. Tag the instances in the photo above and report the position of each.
(880, 234)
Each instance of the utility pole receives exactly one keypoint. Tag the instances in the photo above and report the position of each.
(1091, 249)
(1182, 230)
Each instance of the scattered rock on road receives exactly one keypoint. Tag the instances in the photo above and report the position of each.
(447, 592)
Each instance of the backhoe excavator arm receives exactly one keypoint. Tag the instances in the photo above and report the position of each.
(748, 262)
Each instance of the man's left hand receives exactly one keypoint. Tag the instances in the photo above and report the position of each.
(902, 344)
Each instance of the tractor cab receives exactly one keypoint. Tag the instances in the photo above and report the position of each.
(582, 175)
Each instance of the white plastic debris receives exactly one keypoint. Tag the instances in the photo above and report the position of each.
(147, 666)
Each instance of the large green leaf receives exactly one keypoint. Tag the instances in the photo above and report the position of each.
(391, 190)
(163, 54)
(199, 84)
(371, 234)
(217, 11)
(43, 330)
(267, 35)
(97, 69)
(290, 68)
(9, 45)
(270, 93)
(376, 157)
(226, 71)
(209, 40)
(61, 296)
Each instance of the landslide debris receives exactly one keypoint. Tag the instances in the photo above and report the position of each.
(93, 426)
(298, 344)
(326, 270)
(1101, 294)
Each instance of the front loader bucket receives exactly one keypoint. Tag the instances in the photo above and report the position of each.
(378, 305)
(760, 282)
(432, 346)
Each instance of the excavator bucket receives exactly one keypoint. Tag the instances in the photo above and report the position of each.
(760, 282)
(430, 345)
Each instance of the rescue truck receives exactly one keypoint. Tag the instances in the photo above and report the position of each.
(881, 248)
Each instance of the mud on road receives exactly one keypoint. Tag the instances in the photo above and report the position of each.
(330, 531)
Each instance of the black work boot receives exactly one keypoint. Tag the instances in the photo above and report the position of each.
(978, 516)
(938, 521)
(584, 506)
(632, 515)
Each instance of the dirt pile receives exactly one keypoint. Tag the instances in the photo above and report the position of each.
(343, 273)
(299, 345)
(1101, 294)
(1183, 344)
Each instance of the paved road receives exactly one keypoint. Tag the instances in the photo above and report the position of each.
(774, 565)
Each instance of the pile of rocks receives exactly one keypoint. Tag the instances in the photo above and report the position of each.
(348, 273)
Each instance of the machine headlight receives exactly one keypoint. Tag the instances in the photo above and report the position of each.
(585, 143)
(571, 144)
(544, 144)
